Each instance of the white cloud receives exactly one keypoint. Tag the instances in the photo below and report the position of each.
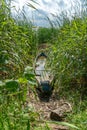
(50, 6)
(46, 7)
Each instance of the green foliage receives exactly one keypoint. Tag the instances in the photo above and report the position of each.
(15, 55)
(15, 44)
(14, 113)
(69, 55)
(65, 124)
(11, 85)
(69, 64)
(46, 35)
(18, 43)
(28, 73)
(79, 119)
(28, 125)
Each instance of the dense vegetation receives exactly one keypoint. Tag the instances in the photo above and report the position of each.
(15, 55)
(68, 52)
(69, 57)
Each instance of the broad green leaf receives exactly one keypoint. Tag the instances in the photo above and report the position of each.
(12, 85)
(29, 76)
(32, 82)
(64, 123)
(22, 80)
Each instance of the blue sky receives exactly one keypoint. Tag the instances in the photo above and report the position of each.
(45, 8)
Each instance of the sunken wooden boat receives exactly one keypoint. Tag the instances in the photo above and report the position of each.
(43, 74)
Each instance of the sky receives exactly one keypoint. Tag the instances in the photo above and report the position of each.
(44, 7)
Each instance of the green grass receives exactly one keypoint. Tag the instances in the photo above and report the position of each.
(67, 58)
(79, 119)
